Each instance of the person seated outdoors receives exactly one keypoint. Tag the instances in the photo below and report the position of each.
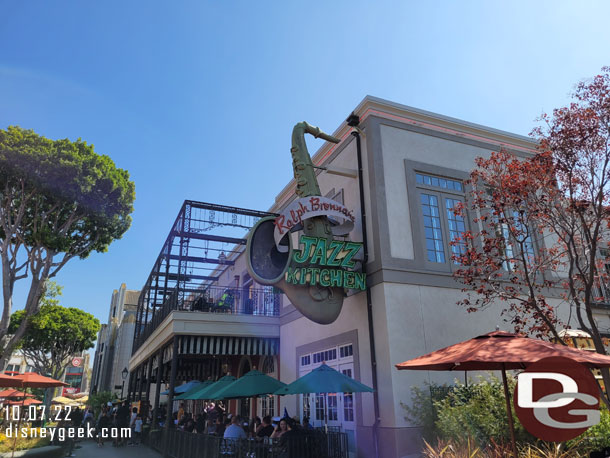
(225, 303)
(253, 426)
(306, 424)
(189, 426)
(235, 431)
(266, 428)
(181, 411)
(220, 426)
(210, 427)
(282, 428)
(200, 423)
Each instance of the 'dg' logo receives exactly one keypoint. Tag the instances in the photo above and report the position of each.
(557, 399)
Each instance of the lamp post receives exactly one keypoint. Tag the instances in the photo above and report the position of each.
(124, 373)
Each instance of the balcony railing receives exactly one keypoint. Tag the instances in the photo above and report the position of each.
(214, 299)
(305, 444)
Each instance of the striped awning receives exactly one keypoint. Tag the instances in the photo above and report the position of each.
(222, 345)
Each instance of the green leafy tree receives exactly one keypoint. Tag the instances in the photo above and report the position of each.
(53, 334)
(99, 400)
(58, 200)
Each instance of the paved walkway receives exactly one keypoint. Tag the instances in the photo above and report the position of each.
(89, 449)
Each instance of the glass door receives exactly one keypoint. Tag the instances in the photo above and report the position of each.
(347, 410)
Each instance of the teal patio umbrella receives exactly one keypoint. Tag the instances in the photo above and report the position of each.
(184, 388)
(191, 394)
(324, 380)
(252, 384)
(209, 392)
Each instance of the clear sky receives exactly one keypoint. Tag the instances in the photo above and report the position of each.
(197, 99)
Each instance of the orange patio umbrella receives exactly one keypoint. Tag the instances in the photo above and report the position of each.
(500, 351)
(33, 380)
(7, 381)
(14, 394)
(27, 402)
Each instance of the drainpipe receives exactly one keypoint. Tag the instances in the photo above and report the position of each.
(353, 121)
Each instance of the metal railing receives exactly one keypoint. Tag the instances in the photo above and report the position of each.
(215, 299)
(303, 444)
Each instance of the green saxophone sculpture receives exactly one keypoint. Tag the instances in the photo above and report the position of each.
(268, 265)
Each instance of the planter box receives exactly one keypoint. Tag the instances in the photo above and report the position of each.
(48, 451)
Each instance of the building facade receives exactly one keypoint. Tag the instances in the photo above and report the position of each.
(115, 340)
(413, 167)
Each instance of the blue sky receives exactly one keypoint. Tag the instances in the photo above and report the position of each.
(197, 99)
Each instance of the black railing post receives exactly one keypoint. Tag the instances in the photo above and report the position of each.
(169, 419)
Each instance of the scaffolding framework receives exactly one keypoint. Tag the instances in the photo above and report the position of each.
(204, 240)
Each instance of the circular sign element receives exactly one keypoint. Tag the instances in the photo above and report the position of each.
(557, 399)
(76, 362)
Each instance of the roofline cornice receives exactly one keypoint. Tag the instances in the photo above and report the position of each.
(372, 106)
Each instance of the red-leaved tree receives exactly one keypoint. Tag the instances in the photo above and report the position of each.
(540, 243)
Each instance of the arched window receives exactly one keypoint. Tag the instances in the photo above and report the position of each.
(268, 365)
(267, 403)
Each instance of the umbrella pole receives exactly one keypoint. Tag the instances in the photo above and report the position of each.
(509, 412)
(25, 392)
(325, 413)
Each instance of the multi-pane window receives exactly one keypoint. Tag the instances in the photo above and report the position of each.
(74, 380)
(438, 198)
(323, 356)
(267, 406)
(12, 369)
(338, 408)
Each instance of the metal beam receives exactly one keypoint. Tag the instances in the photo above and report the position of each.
(226, 209)
(174, 276)
(199, 259)
(212, 238)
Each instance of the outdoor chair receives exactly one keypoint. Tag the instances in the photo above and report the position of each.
(228, 448)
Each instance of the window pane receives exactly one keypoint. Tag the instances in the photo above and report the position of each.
(456, 226)
(432, 228)
(348, 407)
(332, 407)
(319, 402)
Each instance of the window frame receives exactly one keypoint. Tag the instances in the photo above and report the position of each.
(417, 216)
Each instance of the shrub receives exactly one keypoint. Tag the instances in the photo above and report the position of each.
(477, 410)
(422, 411)
(597, 437)
(23, 443)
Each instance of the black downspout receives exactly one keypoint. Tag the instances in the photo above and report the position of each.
(353, 121)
